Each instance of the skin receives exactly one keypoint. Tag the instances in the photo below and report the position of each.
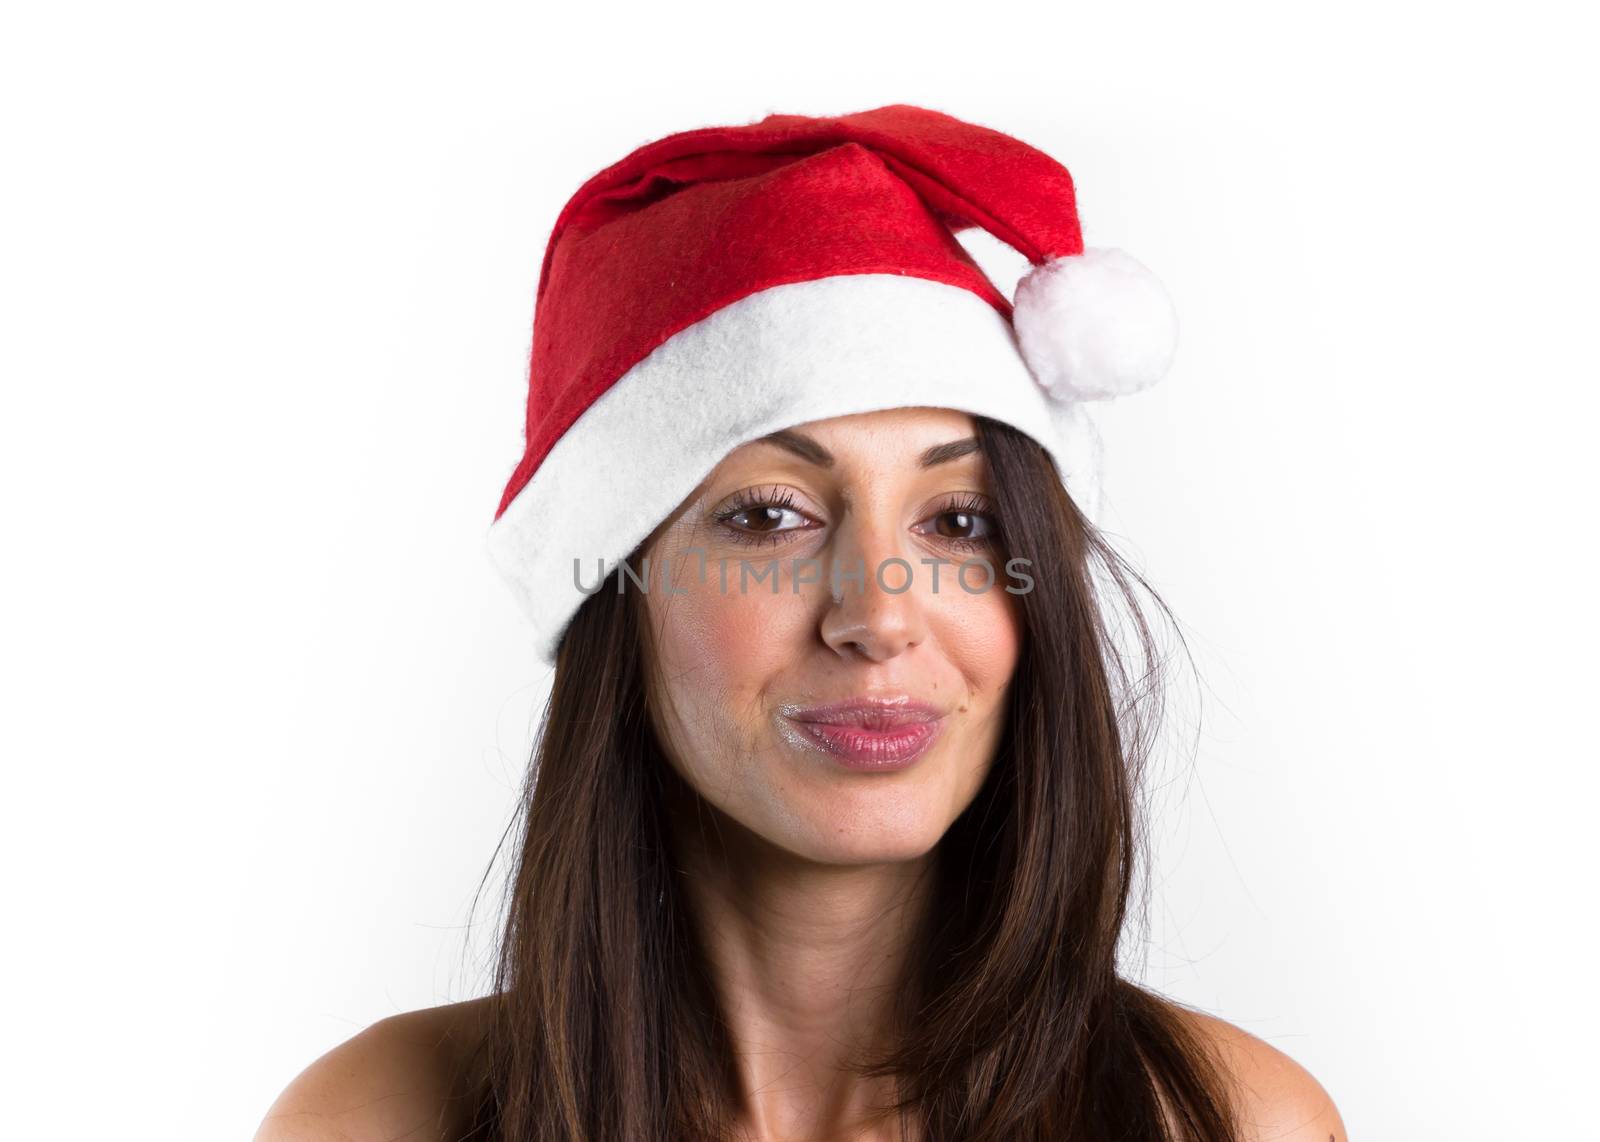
(806, 879)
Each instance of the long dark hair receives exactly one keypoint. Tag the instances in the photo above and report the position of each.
(605, 1026)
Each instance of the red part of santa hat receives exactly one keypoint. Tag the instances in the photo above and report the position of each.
(721, 283)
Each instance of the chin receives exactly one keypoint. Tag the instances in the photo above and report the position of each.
(844, 852)
(870, 831)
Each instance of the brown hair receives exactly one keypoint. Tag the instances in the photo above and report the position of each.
(606, 1026)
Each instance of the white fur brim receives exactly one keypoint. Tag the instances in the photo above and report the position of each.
(775, 359)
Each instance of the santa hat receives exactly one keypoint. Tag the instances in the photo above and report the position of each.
(722, 283)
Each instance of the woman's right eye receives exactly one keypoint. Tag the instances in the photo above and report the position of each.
(757, 518)
(762, 519)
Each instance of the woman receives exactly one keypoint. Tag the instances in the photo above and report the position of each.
(830, 827)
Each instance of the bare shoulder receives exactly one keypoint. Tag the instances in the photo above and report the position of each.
(408, 1076)
(1278, 1099)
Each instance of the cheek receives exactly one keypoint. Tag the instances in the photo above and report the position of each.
(718, 652)
(981, 638)
(981, 634)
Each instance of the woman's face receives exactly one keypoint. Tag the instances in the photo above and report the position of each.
(746, 652)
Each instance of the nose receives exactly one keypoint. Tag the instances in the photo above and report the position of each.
(867, 617)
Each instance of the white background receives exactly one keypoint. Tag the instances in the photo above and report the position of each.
(267, 283)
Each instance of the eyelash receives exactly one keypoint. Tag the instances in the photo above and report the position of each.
(751, 499)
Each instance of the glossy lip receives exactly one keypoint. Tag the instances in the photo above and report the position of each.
(883, 733)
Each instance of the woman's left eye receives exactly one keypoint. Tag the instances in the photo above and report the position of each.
(963, 526)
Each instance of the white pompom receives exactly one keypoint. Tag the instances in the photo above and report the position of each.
(1095, 325)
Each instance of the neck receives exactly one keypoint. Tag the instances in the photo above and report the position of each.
(808, 961)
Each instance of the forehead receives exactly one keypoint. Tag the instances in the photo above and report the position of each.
(884, 434)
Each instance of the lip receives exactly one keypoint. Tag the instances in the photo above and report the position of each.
(882, 733)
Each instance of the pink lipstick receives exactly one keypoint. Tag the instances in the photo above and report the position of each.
(872, 734)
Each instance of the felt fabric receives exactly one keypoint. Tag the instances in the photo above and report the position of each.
(697, 220)
(721, 283)
(781, 357)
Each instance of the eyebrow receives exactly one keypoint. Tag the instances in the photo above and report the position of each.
(809, 450)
